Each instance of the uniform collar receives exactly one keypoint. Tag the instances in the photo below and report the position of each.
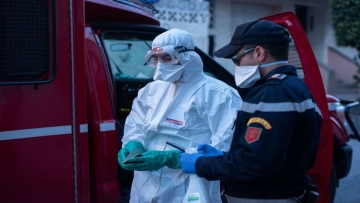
(286, 69)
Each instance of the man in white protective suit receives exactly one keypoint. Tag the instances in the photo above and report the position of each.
(182, 106)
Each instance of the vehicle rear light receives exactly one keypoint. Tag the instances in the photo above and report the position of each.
(340, 113)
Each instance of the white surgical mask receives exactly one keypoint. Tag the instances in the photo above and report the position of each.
(246, 76)
(168, 72)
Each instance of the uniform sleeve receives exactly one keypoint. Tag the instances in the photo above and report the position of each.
(134, 124)
(261, 148)
(221, 117)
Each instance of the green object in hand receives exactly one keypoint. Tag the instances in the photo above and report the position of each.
(157, 159)
(124, 152)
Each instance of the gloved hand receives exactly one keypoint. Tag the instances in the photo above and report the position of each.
(188, 162)
(154, 160)
(208, 150)
(131, 165)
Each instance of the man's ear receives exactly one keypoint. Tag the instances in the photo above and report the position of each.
(260, 53)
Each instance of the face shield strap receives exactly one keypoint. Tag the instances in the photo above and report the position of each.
(181, 49)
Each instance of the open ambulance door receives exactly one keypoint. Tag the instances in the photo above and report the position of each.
(302, 57)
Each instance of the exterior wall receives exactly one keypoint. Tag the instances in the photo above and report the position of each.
(330, 41)
(191, 15)
(222, 30)
(227, 14)
(344, 66)
(327, 76)
(318, 18)
(225, 20)
(319, 32)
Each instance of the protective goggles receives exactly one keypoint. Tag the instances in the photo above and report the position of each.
(166, 55)
(237, 58)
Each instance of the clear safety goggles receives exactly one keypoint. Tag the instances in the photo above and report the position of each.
(166, 55)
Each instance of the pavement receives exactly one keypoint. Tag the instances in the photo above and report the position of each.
(349, 187)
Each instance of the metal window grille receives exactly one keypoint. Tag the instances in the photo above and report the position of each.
(26, 42)
(294, 59)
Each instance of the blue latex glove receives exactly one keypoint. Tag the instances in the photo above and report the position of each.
(154, 160)
(125, 151)
(188, 161)
(208, 150)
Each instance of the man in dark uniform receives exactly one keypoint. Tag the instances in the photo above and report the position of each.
(277, 131)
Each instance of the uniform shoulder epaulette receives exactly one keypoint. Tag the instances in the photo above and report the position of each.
(277, 77)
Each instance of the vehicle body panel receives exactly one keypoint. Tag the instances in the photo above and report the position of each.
(36, 124)
(337, 119)
(112, 11)
(102, 133)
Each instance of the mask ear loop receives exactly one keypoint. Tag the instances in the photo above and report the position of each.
(273, 63)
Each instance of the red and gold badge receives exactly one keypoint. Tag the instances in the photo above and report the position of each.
(252, 134)
(262, 121)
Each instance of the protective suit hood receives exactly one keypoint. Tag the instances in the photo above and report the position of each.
(190, 61)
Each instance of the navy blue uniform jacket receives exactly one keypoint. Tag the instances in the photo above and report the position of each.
(274, 143)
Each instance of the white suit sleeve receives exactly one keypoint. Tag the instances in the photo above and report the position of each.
(221, 116)
(134, 124)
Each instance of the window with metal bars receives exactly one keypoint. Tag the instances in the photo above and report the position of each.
(27, 45)
(294, 59)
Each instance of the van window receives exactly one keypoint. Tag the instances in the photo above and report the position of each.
(126, 57)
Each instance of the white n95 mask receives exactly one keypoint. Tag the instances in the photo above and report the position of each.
(246, 76)
(168, 72)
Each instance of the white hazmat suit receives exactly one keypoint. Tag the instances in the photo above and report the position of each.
(193, 109)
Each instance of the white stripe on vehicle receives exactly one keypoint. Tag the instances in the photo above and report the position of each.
(35, 132)
(50, 131)
(107, 127)
(84, 128)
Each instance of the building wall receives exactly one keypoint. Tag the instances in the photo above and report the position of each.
(343, 66)
(226, 14)
(190, 15)
(319, 32)
(242, 11)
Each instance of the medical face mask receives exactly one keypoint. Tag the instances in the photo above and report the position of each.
(168, 72)
(246, 76)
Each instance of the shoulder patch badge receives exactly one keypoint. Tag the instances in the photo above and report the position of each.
(262, 121)
(252, 134)
(277, 77)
